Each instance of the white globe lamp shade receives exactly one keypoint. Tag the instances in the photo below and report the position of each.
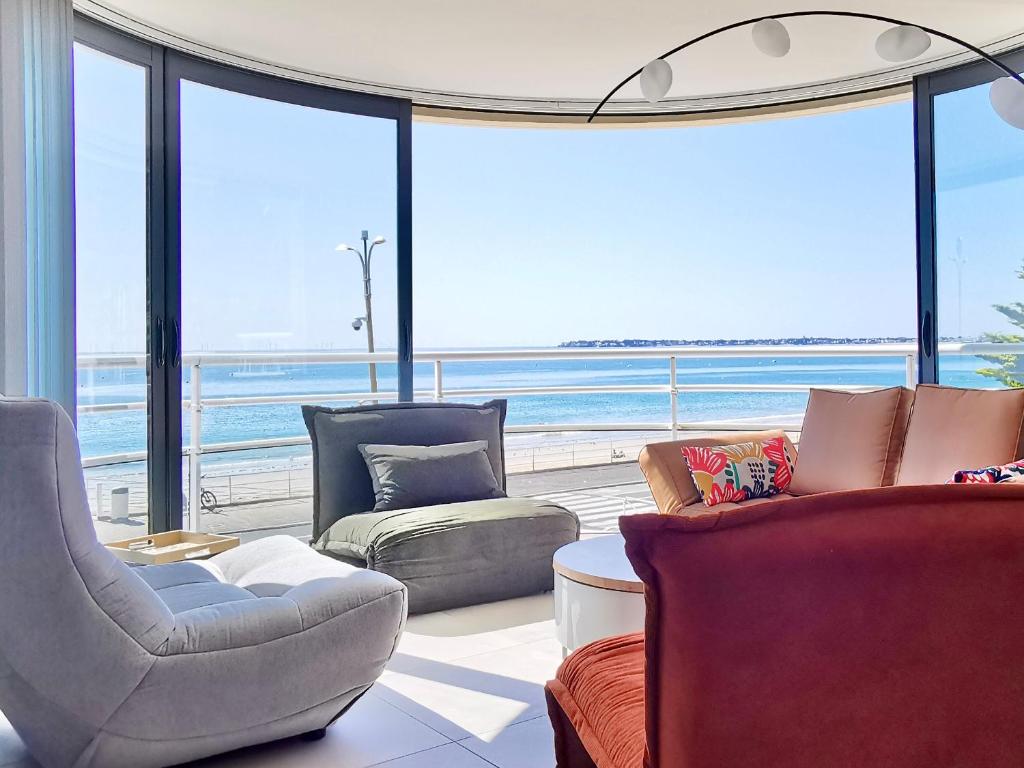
(771, 38)
(902, 43)
(1007, 97)
(655, 80)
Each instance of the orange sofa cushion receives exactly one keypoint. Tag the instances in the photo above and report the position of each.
(952, 429)
(600, 690)
(844, 444)
(668, 476)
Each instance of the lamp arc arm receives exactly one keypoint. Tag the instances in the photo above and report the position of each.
(796, 14)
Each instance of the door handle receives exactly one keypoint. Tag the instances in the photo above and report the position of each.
(159, 352)
(926, 333)
(175, 344)
(406, 341)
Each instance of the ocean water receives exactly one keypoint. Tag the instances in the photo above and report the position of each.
(125, 431)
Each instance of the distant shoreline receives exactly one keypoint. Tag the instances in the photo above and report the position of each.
(795, 341)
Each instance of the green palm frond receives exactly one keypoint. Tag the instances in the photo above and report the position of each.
(1007, 369)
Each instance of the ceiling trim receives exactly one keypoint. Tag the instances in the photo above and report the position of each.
(779, 110)
(454, 106)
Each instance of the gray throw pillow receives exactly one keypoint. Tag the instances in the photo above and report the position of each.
(406, 476)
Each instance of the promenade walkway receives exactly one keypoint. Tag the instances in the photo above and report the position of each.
(599, 494)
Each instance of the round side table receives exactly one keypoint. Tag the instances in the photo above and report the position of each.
(597, 594)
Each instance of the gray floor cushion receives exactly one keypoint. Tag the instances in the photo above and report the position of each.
(453, 555)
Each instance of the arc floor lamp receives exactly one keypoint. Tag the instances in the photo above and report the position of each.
(902, 41)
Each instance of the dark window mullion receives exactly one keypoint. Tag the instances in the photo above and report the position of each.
(405, 266)
(927, 295)
(166, 474)
(172, 289)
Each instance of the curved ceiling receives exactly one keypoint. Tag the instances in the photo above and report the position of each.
(560, 58)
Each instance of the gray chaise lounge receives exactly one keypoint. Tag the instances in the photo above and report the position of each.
(448, 555)
(102, 665)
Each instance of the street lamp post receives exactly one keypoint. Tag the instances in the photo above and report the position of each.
(364, 260)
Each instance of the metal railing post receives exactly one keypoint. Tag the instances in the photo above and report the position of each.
(438, 382)
(911, 371)
(195, 449)
(673, 396)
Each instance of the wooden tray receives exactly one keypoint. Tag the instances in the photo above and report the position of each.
(170, 547)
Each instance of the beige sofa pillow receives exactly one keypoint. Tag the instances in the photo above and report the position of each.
(845, 439)
(952, 429)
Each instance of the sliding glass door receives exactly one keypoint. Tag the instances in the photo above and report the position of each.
(978, 183)
(288, 228)
(979, 186)
(121, 384)
(212, 296)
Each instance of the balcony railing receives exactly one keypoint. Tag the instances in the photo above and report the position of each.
(672, 389)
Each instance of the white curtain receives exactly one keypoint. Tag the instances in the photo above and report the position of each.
(37, 271)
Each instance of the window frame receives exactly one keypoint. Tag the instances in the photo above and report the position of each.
(926, 88)
(165, 69)
(161, 461)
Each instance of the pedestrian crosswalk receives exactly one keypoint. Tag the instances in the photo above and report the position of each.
(600, 512)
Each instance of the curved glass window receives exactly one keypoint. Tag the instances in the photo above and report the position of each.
(243, 243)
(788, 231)
(269, 190)
(226, 221)
(111, 109)
(979, 183)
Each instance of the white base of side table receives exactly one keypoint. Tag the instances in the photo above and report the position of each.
(584, 613)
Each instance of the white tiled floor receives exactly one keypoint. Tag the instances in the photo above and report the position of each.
(464, 690)
(12, 751)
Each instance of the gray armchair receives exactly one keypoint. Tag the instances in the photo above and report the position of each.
(106, 665)
(448, 555)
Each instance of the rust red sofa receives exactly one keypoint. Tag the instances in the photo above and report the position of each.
(879, 627)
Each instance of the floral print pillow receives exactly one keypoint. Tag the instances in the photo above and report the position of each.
(739, 472)
(1007, 473)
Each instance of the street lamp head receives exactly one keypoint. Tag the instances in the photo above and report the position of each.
(344, 247)
(379, 240)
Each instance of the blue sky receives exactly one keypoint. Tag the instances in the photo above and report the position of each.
(753, 230)
(980, 182)
(528, 237)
